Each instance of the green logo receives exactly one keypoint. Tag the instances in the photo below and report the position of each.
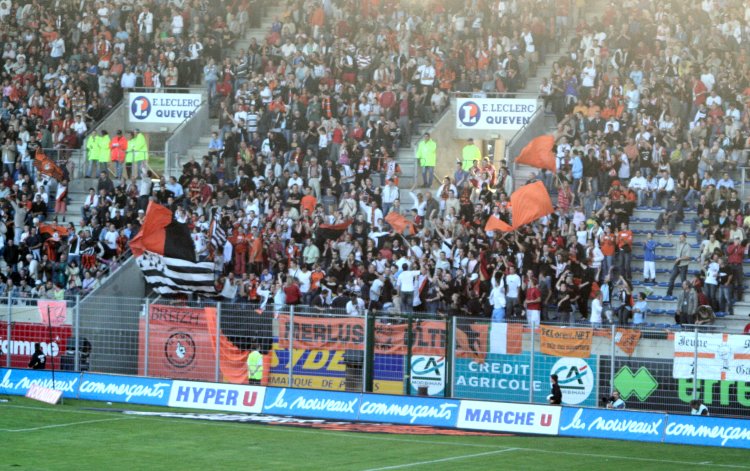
(641, 384)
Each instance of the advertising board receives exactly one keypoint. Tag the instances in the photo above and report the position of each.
(308, 403)
(707, 431)
(126, 389)
(505, 417)
(494, 114)
(162, 107)
(17, 382)
(615, 424)
(409, 410)
(217, 396)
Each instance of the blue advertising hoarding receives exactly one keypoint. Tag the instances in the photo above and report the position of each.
(613, 424)
(127, 389)
(409, 410)
(18, 382)
(311, 403)
(504, 377)
(707, 431)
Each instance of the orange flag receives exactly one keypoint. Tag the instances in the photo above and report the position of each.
(529, 203)
(47, 166)
(496, 224)
(538, 153)
(399, 223)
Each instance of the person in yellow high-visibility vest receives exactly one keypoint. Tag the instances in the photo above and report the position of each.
(92, 154)
(470, 154)
(255, 367)
(427, 158)
(140, 151)
(104, 157)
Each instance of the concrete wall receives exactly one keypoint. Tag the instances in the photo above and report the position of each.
(109, 319)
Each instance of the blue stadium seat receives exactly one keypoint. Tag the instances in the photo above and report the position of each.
(669, 298)
(720, 314)
(653, 297)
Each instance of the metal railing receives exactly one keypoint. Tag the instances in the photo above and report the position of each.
(383, 352)
(184, 137)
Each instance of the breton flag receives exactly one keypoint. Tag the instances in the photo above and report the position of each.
(166, 254)
(217, 233)
(505, 337)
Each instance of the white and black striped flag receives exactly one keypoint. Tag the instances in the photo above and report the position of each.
(217, 234)
(166, 254)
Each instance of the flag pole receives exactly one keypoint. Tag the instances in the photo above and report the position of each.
(49, 345)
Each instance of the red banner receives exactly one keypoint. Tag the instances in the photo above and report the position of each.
(179, 345)
(23, 337)
(323, 333)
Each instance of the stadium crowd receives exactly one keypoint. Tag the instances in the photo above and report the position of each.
(652, 111)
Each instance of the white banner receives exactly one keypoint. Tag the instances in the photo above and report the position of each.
(167, 108)
(494, 114)
(720, 356)
(509, 417)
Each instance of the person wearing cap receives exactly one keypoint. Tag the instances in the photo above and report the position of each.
(470, 154)
(682, 261)
(426, 155)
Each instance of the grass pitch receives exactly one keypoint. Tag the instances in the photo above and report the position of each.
(75, 437)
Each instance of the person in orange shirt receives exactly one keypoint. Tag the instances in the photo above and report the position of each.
(308, 201)
(240, 243)
(118, 147)
(607, 245)
(625, 249)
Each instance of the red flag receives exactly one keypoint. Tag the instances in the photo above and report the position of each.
(50, 230)
(52, 312)
(47, 166)
(496, 224)
(529, 203)
(332, 231)
(538, 153)
(399, 223)
(153, 234)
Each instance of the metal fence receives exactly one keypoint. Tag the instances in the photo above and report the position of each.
(652, 368)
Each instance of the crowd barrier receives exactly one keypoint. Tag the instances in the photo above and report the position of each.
(490, 416)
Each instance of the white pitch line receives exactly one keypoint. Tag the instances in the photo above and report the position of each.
(32, 429)
(443, 460)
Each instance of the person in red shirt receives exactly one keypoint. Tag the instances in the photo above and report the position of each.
(533, 302)
(624, 249)
(292, 292)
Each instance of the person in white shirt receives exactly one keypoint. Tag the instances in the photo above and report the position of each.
(497, 298)
(390, 194)
(664, 189)
(513, 284)
(639, 185)
(597, 307)
(177, 23)
(405, 282)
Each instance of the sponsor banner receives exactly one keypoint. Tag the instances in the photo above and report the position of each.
(179, 344)
(707, 431)
(428, 372)
(18, 382)
(720, 356)
(127, 389)
(217, 396)
(409, 410)
(507, 378)
(493, 114)
(346, 333)
(647, 384)
(162, 107)
(566, 342)
(40, 393)
(505, 417)
(24, 335)
(605, 423)
(307, 403)
(326, 369)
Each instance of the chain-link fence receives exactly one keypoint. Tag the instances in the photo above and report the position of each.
(346, 349)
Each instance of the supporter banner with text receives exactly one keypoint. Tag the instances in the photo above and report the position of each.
(179, 344)
(346, 333)
(566, 341)
(719, 356)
